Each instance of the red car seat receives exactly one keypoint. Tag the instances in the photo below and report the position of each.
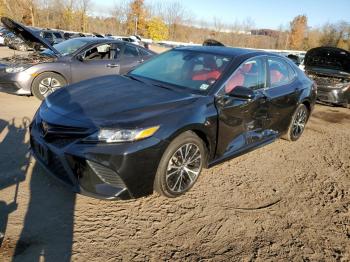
(238, 78)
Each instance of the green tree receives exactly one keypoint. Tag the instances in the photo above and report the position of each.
(157, 29)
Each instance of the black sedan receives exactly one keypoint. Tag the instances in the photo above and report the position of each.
(155, 128)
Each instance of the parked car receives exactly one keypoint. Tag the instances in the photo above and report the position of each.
(52, 36)
(330, 68)
(158, 126)
(67, 62)
(14, 42)
(3, 33)
(17, 43)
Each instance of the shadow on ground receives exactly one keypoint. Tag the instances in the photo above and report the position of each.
(47, 231)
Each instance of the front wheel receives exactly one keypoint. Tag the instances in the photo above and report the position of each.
(180, 166)
(297, 125)
(46, 83)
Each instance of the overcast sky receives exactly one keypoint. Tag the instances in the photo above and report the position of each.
(265, 13)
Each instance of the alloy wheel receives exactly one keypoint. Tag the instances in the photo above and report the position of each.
(49, 85)
(299, 122)
(183, 168)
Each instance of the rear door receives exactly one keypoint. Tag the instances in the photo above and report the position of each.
(130, 58)
(282, 93)
(242, 121)
(99, 60)
(145, 54)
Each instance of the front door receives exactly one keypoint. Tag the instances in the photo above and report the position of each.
(99, 60)
(242, 121)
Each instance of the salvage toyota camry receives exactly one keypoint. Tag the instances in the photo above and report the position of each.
(154, 129)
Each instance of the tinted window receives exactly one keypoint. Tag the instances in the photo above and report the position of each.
(279, 72)
(130, 51)
(251, 74)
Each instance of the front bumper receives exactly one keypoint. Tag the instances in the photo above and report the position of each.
(16, 83)
(104, 171)
(333, 95)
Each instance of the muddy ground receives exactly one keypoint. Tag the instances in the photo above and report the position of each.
(284, 202)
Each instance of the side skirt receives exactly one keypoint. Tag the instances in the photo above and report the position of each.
(241, 151)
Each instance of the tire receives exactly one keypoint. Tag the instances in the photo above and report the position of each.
(46, 83)
(297, 124)
(174, 177)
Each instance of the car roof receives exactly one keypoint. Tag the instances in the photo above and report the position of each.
(221, 50)
(106, 40)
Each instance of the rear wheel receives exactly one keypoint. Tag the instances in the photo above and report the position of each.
(297, 125)
(46, 83)
(180, 165)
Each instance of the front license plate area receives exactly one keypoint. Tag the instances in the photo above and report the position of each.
(42, 152)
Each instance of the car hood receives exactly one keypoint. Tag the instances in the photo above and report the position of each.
(116, 101)
(30, 59)
(328, 61)
(29, 36)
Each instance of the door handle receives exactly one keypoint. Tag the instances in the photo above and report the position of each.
(112, 65)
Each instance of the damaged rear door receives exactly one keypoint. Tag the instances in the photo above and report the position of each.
(282, 93)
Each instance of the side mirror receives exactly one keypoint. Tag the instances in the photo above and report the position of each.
(80, 58)
(242, 92)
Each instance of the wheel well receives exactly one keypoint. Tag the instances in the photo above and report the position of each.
(205, 139)
(307, 104)
(31, 85)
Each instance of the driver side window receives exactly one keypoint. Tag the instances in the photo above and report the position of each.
(251, 74)
(100, 52)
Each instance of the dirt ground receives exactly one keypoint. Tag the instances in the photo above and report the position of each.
(283, 202)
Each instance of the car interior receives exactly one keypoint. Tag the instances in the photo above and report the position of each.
(206, 68)
(279, 73)
(246, 75)
(102, 52)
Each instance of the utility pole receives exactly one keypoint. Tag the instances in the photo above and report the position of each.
(136, 23)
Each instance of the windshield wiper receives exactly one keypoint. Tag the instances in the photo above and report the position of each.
(134, 78)
(162, 86)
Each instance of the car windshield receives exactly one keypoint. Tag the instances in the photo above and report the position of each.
(70, 46)
(192, 70)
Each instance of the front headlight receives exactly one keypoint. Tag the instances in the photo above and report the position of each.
(121, 135)
(15, 69)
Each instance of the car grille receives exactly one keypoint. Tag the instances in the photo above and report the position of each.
(61, 136)
(62, 142)
(106, 175)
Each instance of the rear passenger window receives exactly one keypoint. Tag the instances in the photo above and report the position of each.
(280, 72)
(130, 51)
